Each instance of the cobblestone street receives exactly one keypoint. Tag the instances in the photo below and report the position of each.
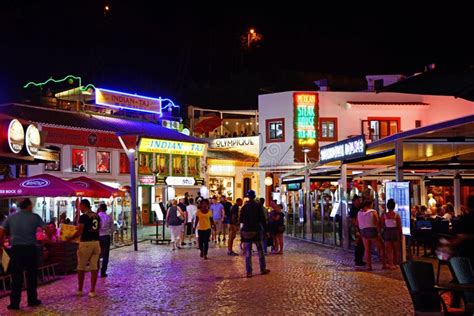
(307, 279)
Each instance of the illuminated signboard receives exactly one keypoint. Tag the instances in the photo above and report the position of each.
(15, 135)
(400, 193)
(152, 145)
(219, 170)
(146, 180)
(32, 140)
(305, 124)
(180, 181)
(348, 149)
(127, 101)
(248, 145)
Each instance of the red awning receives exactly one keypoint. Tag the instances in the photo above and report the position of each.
(208, 125)
(100, 190)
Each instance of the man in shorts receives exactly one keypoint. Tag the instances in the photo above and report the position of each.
(218, 216)
(89, 246)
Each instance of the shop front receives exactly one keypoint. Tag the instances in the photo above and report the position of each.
(228, 161)
(167, 170)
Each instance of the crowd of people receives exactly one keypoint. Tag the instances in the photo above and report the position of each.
(218, 221)
(22, 228)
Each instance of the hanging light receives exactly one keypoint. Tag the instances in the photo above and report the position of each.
(268, 181)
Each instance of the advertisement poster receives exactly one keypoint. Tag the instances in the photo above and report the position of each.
(400, 192)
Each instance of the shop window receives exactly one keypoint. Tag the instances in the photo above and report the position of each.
(124, 164)
(162, 166)
(375, 128)
(193, 166)
(103, 162)
(144, 163)
(53, 166)
(178, 165)
(79, 160)
(328, 129)
(275, 130)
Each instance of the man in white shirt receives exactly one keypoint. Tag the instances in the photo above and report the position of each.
(106, 226)
(191, 209)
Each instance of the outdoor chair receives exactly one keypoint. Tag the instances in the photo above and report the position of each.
(426, 297)
(462, 272)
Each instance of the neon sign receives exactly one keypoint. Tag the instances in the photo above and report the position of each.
(128, 101)
(69, 78)
(305, 118)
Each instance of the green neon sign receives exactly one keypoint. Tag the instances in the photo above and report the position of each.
(51, 79)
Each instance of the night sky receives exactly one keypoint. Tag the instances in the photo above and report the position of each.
(192, 52)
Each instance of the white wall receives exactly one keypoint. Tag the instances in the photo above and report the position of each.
(272, 106)
(349, 117)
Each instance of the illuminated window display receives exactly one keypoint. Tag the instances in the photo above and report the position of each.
(193, 166)
(221, 186)
(103, 162)
(79, 160)
(178, 165)
(162, 164)
(144, 163)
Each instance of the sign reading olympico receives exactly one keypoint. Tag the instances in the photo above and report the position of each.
(350, 148)
(121, 100)
(180, 181)
(152, 145)
(249, 145)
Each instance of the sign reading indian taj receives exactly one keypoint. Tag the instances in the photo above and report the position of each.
(127, 101)
(153, 145)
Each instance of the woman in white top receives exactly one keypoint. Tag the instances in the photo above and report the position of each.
(369, 225)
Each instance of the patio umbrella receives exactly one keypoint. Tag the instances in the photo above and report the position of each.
(456, 82)
(100, 190)
(208, 125)
(43, 185)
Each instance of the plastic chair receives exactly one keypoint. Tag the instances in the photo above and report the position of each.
(419, 279)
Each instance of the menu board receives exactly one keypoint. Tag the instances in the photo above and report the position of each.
(400, 192)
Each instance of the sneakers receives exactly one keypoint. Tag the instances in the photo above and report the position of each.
(231, 253)
(249, 274)
(104, 275)
(265, 271)
(92, 294)
(34, 303)
(79, 293)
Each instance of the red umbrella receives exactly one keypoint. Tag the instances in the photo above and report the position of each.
(43, 185)
(208, 125)
(100, 190)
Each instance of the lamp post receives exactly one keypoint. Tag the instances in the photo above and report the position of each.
(306, 191)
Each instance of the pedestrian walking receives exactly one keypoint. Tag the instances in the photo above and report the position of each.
(358, 242)
(253, 221)
(277, 227)
(392, 232)
(233, 226)
(89, 246)
(21, 228)
(106, 229)
(218, 215)
(174, 221)
(191, 211)
(182, 205)
(369, 224)
(227, 206)
(204, 224)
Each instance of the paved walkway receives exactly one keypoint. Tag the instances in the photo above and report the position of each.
(307, 279)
